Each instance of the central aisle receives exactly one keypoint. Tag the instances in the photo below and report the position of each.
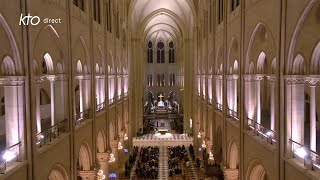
(163, 163)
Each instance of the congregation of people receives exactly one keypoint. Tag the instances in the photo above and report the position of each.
(147, 163)
(132, 159)
(177, 158)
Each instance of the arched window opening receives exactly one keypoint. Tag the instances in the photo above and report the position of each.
(47, 64)
(160, 52)
(8, 68)
(171, 52)
(150, 52)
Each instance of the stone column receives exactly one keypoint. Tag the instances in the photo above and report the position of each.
(231, 174)
(235, 94)
(272, 80)
(38, 112)
(313, 121)
(295, 107)
(230, 94)
(103, 159)
(88, 175)
(13, 97)
(52, 97)
(102, 89)
(87, 92)
(258, 79)
(97, 94)
(61, 85)
(249, 95)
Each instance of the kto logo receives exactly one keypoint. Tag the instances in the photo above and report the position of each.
(25, 20)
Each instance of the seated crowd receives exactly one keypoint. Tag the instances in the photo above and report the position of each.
(147, 164)
(178, 156)
(130, 163)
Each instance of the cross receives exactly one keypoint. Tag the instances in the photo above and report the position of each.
(160, 96)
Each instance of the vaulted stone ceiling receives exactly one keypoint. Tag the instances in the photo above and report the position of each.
(162, 18)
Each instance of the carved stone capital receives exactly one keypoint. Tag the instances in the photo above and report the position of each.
(51, 78)
(272, 78)
(102, 76)
(313, 79)
(83, 77)
(259, 77)
(103, 157)
(289, 80)
(229, 77)
(218, 77)
(62, 77)
(231, 174)
(12, 81)
(249, 78)
(87, 175)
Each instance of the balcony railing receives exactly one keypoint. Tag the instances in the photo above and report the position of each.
(219, 107)
(261, 131)
(310, 158)
(10, 154)
(210, 101)
(82, 116)
(125, 94)
(101, 106)
(233, 114)
(52, 133)
(111, 101)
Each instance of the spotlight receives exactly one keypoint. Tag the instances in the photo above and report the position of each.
(8, 155)
(301, 152)
(269, 133)
(111, 158)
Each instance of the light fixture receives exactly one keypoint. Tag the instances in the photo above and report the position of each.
(199, 135)
(211, 156)
(120, 145)
(125, 137)
(100, 175)
(8, 155)
(301, 152)
(111, 158)
(204, 144)
(269, 133)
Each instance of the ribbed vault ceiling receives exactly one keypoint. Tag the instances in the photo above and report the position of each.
(162, 18)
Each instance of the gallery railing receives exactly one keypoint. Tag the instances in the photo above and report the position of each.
(101, 106)
(82, 116)
(111, 101)
(261, 131)
(219, 107)
(42, 138)
(310, 158)
(10, 154)
(233, 115)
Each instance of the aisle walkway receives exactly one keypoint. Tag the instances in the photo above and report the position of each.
(163, 163)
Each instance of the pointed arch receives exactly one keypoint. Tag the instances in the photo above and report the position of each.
(7, 66)
(15, 51)
(58, 172)
(85, 159)
(299, 67)
(56, 49)
(294, 38)
(233, 160)
(256, 171)
(101, 141)
(258, 27)
(315, 60)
